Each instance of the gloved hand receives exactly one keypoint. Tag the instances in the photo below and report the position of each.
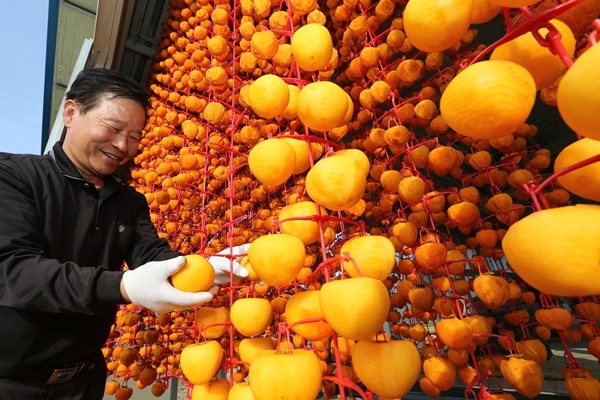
(148, 286)
(226, 259)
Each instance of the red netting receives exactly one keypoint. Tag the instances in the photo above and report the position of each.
(193, 170)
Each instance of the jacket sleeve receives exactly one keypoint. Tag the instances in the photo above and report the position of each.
(147, 245)
(30, 279)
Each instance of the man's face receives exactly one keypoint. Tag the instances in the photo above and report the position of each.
(104, 138)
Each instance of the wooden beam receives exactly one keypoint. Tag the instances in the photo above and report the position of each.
(110, 20)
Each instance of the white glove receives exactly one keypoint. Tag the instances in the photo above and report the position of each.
(229, 260)
(148, 286)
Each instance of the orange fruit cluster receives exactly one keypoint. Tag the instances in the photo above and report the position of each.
(384, 173)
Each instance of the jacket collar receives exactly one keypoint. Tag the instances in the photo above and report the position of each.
(66, 167)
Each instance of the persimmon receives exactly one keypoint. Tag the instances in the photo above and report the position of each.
(312, 46)
(484, 11)
(269, 95)
(358, 155)
(147, 375)
(200, 361)
(574, 89)
(588, 310)
(303, 311)
(355, 317)
(158, 389)
(540, 261)
(525, 376)
(111, 387)
(488, 99)
(554, 318)
(301, 219)
(304, 7)
(264, 44)
(580, 181)
(240, 391)
(250, 347)
(544, 66)
(197, 275)
(436, 26)
(481, 328)
(440, 371)
(290, 111)
(406, 232)
(217, 389)
(212, 321)
(323, 106)
(411, 189)
(429, 388)
(579, 386)
(336, 182)
(295, 374)
(389, 369)
(251, 316)
(492, 290)
(455, 333)
(533, 349)
(277, 259)
(373, 256)
(123, 393)
(272, 161)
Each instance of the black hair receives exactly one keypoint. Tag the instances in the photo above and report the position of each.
(92, 85)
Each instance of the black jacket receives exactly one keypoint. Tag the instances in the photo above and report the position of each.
(62, 247)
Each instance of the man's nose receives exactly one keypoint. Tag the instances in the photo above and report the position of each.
(122, 142)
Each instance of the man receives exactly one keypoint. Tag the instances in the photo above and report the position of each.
(67, 224)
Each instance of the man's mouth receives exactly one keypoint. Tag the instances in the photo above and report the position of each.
(112, 157)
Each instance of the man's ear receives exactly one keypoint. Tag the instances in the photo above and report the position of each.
(70, 108)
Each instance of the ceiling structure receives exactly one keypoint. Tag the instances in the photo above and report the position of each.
(126, 39)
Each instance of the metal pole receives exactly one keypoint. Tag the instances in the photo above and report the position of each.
(174, 387)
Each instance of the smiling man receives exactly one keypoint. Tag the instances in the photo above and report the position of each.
(67, 225)
(103, 132)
